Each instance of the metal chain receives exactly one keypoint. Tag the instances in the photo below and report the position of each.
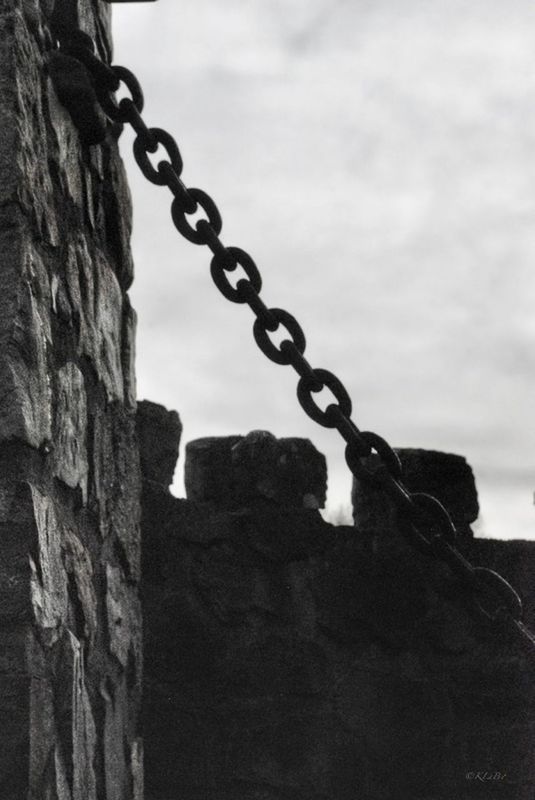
(423, 519)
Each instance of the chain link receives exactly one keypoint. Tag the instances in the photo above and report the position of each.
(423, 519)
(148, 143)
(323, 379)
(494, 596)
(79, 45)
(278, 355)
(387, 457)
(222, 263)
(118, 112)
(146, 137)
(264, 315)
(197, 235)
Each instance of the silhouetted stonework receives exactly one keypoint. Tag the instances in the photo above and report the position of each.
(70, 629)
(238, 471)
(286, 658)
(158, 432)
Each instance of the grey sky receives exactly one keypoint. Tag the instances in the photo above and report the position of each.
(377, 161)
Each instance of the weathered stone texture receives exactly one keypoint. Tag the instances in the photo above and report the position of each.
(70, 661)
(288, 659)
(159, 433)
(444, 475)
(237, 471)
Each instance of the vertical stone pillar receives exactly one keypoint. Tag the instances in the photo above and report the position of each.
(70, 666)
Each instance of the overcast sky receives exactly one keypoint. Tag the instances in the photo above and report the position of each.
(377, 159)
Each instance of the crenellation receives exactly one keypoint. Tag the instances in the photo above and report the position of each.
(319, 661)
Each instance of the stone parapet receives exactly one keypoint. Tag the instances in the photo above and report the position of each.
(446, 476)
(286, 658)
(239, 471)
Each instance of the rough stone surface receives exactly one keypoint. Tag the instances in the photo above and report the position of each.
(446, 476)
(159, 433)
(70, 443)
(237, 471)
(287, 659)
(70, 630)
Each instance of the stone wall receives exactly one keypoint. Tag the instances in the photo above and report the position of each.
(70, 660)
(288, 659)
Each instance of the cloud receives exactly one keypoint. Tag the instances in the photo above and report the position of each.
(377, 161)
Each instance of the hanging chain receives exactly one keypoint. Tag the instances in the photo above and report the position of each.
(423, 519)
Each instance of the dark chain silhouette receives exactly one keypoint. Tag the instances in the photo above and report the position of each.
(423, 519)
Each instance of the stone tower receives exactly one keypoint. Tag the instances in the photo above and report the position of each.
(70, 663)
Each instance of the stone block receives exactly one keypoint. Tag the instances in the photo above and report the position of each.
(25, 396)
(48, 579)
(80, 575)
(122, 613)
(158, 432)
(446, 476)
(116, 480)
(79, 711)
(239, 471)
(70, 436)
